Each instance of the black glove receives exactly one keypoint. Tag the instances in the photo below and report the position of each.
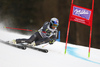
(51, 41)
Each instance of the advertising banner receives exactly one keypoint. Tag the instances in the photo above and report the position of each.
(81, 15)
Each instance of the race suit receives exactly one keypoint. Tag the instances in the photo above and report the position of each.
(44, 35)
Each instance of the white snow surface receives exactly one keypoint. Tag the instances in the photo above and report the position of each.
(76, 56)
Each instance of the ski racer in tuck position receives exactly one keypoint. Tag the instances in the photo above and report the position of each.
(46, 34)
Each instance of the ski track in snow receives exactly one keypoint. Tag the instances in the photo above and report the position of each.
(76, 56)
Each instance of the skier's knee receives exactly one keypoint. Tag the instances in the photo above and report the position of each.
(30, 41)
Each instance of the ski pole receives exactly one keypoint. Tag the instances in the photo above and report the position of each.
(44, 45)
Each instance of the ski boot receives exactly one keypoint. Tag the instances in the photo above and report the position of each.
(12, 42)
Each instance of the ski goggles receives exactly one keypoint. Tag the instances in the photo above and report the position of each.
(54, 25)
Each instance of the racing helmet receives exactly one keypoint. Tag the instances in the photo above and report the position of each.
(54, 22)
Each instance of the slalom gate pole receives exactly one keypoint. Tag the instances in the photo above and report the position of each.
(68, 28)
(18, 28)
(91, 28)
(44, 45)
(58, 37)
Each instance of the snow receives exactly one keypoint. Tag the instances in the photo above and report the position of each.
(76, 56)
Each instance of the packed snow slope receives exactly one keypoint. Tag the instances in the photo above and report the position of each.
(76, 56)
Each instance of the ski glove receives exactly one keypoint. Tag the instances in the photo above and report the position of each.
(51, 41)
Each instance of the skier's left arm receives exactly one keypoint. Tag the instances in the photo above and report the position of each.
(53, 38)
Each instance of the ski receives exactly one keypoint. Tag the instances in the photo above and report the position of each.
(17, 46)
(22, 46)
(36, 48)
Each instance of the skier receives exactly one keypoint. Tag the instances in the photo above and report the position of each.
(46, 34)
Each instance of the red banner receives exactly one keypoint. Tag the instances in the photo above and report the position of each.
(81, 15)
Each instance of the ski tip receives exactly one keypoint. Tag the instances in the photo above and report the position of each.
(45, 51)
(24, 48)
